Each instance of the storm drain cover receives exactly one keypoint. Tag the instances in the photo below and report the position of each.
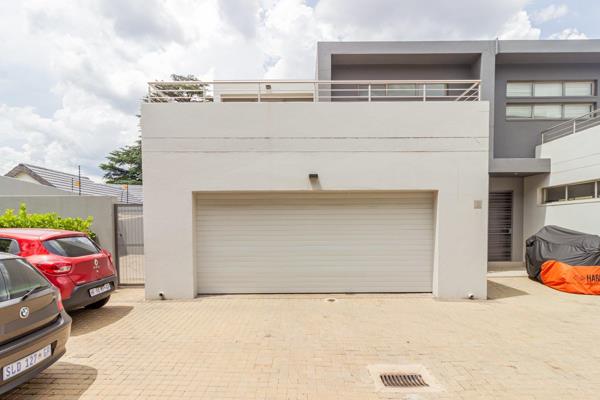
(403, 380)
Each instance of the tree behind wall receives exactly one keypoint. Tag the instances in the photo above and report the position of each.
(124, 165)
(181, 88)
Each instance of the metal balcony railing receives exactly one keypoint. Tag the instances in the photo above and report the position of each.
(313, 91)
(569, 127)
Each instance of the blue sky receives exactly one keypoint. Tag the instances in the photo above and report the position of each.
(583, 15)
(73, 72)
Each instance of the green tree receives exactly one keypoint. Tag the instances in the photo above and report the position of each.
(124, 165)
(181, 88)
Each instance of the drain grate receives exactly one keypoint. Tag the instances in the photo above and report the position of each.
(403, 380)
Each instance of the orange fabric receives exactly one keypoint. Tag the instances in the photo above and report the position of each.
(572, 279)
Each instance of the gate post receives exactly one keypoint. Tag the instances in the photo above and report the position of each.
(116, 238)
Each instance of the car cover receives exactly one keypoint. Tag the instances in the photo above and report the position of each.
(561, 244)
(571, 278)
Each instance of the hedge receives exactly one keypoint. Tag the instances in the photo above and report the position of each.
(49, 221)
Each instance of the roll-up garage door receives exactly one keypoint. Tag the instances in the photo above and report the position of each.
(317, 242)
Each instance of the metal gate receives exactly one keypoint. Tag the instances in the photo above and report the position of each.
(500, 226)
(129, 238)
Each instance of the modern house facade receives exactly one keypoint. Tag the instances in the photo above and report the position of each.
(374, 177)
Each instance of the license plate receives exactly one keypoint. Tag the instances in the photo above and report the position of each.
(26, 363)
(100, 289)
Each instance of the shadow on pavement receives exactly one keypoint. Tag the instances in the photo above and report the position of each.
(87, 321)
(499, 291)
(62, 380)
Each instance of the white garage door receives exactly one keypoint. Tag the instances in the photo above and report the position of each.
(314, 242)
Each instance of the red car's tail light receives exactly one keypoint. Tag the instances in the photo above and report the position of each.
(55, 268)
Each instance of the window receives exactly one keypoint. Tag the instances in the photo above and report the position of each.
(75, 246)
(436, 89)
(550, 89)
(519, 111)
(376, 91)
(412, 89)
(547, 111)
(576, 110)
(518, 89)
(547, 89)
(401, 89)
(9, 246)
(571, 191)
(579, 88)
(20, 277)
(581, 191)
(554, 194)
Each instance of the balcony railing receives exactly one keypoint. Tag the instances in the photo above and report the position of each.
(569, 127)
(313, 91)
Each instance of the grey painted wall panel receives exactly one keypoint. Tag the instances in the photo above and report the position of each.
(396, 71)
(518, 139)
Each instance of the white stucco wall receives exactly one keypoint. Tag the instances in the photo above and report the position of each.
(438, 146)
(574, 158)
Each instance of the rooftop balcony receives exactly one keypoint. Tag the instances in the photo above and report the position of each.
(263, 91)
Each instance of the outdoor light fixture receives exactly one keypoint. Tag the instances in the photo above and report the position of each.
(268, 87)
(313, 177)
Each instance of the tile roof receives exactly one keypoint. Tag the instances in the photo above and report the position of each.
(68, 182)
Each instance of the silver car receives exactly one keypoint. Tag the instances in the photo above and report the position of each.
(34, 328)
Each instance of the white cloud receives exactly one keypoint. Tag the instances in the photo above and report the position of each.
(415, 19)
(569, 33)
(519, 27)
(550, 13)
(71, 87)
(74, 135)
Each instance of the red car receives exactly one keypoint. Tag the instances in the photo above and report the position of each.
(82, 271)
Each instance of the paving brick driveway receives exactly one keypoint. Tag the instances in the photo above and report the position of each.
(527, 342)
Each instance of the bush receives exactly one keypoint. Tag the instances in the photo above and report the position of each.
(49, 221)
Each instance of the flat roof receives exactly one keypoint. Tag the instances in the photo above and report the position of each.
(461, 52)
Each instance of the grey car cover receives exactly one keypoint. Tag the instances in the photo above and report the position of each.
(560, 244)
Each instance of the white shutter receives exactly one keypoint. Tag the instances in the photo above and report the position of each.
(314, 242)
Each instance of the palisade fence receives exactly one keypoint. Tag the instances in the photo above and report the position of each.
(129, 243)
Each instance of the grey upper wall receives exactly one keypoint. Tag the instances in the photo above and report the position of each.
(519, 138)
(512, 143)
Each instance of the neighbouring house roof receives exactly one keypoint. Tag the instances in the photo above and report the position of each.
(68, 182)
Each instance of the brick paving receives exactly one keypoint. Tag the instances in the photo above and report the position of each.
(526, 342)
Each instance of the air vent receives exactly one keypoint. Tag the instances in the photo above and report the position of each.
(403, 380)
